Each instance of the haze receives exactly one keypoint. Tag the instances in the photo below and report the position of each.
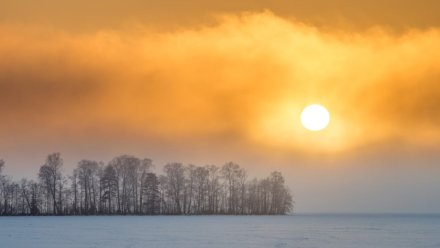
(207, 82)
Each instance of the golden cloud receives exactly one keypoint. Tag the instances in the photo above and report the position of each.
(246, 78)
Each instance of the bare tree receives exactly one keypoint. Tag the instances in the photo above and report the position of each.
(230, 172)
(50, 175)
(175, 174)
(214, 189)
(152, 194)
(188, 194)
(2, 186)
(109, 184)
(145, 166)
(127, 185)
(74, 188)
(201, 188)
(2, 164)
(87, 178)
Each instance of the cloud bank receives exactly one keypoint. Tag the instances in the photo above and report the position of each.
(245, 79)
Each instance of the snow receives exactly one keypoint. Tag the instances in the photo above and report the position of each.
(333, 231)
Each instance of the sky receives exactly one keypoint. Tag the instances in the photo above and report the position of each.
(207, 82)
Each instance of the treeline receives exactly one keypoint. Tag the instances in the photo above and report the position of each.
(127, 185)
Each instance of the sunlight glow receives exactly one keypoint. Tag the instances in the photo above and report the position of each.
(315, 117)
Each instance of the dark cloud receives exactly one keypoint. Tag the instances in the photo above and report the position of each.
(83, 15)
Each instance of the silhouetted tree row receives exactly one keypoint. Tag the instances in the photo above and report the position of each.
(127, 185)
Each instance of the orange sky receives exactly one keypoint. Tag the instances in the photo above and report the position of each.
(210, 82)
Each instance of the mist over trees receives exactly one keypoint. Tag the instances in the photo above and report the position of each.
(127, 185)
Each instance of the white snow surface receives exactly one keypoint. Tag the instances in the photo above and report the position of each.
(301, 231)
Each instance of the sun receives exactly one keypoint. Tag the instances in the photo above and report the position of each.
(315, 117)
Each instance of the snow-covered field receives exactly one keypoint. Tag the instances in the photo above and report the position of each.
(338, 231)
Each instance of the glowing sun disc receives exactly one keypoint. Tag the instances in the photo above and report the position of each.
(315, 117)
